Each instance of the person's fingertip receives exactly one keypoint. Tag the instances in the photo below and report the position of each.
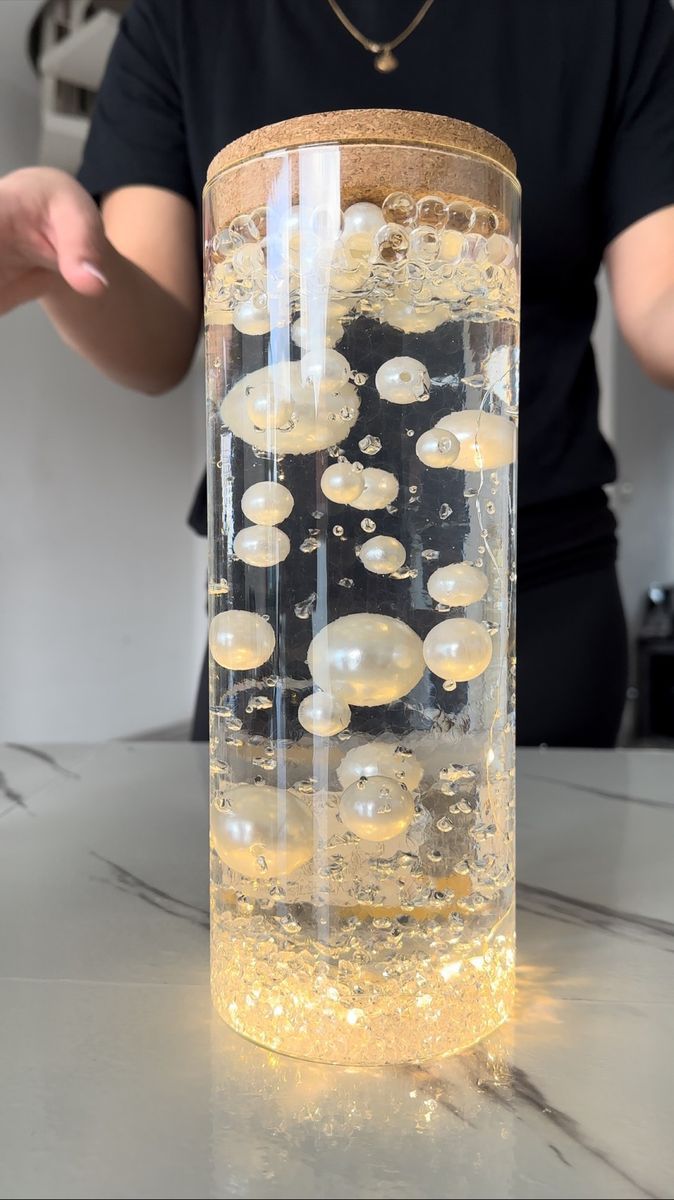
(95, 271)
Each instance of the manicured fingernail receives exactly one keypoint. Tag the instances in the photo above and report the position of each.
(92, 270)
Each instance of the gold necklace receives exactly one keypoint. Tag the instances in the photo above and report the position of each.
(384, 60)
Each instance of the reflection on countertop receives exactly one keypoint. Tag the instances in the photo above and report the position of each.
(119, 1081)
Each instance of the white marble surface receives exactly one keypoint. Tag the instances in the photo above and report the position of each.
(117, 1081)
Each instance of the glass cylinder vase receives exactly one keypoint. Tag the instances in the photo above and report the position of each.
(362, 320)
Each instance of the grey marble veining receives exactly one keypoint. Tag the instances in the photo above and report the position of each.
(118, 1081)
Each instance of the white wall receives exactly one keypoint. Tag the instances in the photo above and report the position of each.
(102, 586)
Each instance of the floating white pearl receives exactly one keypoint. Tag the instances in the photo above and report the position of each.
(265, 832)
(405, 315)
(251, 317)
(402, 380)
(361, 223)
(438, 448)
(325, 369)
(380, 758)
(366, 658)
(458, 584)
(379, 489)
(487, 440)
(317, 421)
(323, 714)
(458, 649)
(267, 503)
(376, 809)
(382, 555)
(342, 482)
(331, 332)
(240, 640)
(261, 545)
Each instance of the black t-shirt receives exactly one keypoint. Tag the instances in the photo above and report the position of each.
(583, 92)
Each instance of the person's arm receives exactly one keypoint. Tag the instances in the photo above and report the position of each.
(122, 288)
(640, 263)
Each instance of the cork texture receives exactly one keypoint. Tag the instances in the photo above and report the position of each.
(381, 151)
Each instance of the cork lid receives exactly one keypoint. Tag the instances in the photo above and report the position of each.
(366, 126)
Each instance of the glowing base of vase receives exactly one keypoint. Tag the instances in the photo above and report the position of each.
(316, 1007)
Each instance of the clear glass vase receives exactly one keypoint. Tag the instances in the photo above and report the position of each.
(362, 321)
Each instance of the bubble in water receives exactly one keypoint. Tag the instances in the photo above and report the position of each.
(376, 808)
(240, 640)
(368, 525)
(369, 444)
(345, 582)
(338, 530)
(458, 649)
(304, 608)
(444, 512)
(430, 555)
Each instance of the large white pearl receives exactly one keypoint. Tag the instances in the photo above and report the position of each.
(252, 318)
(323, 714)
(402, 380)
(380, 758)
(458, 584)
(317, 421)
(379, 489)
(404, 315)
(240, 640)
(261, 545)
(267, 503)
(342, 482)
(376, 809)
(458, 649)
(265, 831)
(438, 448)
(366, 658)
(325, 370)
(487, 440)
(382, 555)
(331, 332)
(361, 223)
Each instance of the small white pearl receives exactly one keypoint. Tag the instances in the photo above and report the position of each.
(403, 380)
(382, 555)
(438, 448)
(361, 223)
(261, 545)
(262, 832)
(380, 758)
(240, 640)
(487, 440)
(376, 809)
(458, 649)
(325, 369)
(267, 503)
(458, 584)
(323, 714)
(380, 488)
(252, 318)
(342, 482)
(366, 658)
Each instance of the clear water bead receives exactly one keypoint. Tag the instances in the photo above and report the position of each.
(424, 244)
(304, 608)
(432, 210)
(392, 244)
(370, 444)
(368, 525)
(460, 216)
(399, 209)
(309, 545)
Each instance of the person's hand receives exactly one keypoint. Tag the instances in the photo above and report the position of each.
(50, 229)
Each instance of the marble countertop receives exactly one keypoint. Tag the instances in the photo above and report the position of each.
(118, 1081)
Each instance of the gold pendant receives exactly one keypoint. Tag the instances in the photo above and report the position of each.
(385, 61)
